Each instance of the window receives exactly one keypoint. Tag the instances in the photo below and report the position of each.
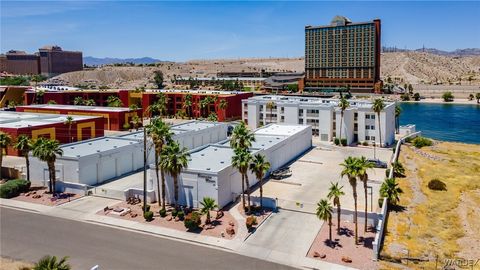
(372, 138)
(372, 116)
(300, 121)
(367, 138)
(367, 116)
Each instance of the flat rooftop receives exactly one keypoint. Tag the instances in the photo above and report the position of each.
(197, 92)
(94, 146)
(300, 100)
(76, 108)
(22, 120)
(280, 130)
(212, 158)
(194, 125)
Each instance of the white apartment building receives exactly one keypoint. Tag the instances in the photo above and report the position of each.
(360, 123)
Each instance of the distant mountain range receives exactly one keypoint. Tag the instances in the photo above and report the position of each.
(457, 52)
(94, 61)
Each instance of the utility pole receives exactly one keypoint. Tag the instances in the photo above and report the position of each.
(144, 169)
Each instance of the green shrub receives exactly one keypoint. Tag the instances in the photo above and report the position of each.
(387, 172)
(126, 126)
(147, 208)
(180, 215)
(344, 142)
(162, 212)
(336, 141)
(436, 184)
(13, 188)
(420, 142)
(398, 169)
(192, 221)
(448, 96)
(148, 216)
(365, 143)
(250, 222)
(174, 212)
(408, 140)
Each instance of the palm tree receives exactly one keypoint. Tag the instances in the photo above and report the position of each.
(324, 212)
(222, 105)
(173, 160)
(343, 104)
(47, 150)
(270, 105)
(350, 169)
(203, 104)
(162, 101)
(242, 137)
(113, 101)
(336, 192)
(5, 141)
(208, 204)
(260, 167)
(160, 133)
(69, 123)
(212, 117)
(398, 111)
(78, 101)
(363, 165)
(51, 263)
(477, 97)
(136, 122)
(241, 161)
(391, 191)
(378, 106)
(24, 144)
(90, 102)
(187, 105)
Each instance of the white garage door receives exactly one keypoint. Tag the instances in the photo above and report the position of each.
(108, 170)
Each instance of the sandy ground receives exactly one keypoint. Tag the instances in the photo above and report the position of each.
(9, 264)
(217, 230)
(344, 245)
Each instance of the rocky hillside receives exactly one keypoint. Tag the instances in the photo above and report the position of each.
(410, 67)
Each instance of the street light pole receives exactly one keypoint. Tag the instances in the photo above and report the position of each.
(144, 169)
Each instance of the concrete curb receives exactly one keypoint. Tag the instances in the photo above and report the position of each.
(263, 221)
(21, 208)
(200, 243)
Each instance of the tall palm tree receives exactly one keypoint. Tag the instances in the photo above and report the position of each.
(350, 169)
(160, 133)
(391, 191)
(173, 160)
(343, 104)
(203, 105)
(270, 105)
(398, 111)
(51, 263)
(24, 144)
(378, 106)
(363, 165)
(162, 101)
(47, 150)
(187, 105)
(242, 137)
(5, 142)
(222, 105)
(69, 123)
(208, 204)
(325, 212)
(241, 161)
(336, 192)
(260, 167)
(136, 122)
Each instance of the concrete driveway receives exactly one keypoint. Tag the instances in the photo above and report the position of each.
(313, 172)
(285, 237)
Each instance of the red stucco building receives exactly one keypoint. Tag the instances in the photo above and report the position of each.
(115, 118)
(51, 126)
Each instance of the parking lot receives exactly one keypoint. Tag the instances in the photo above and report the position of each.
(315, 170)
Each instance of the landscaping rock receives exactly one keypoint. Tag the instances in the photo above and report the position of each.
(220, 214)
(37, 196)
(231, 223)
(133, 215)
(177, 219)
(230, 230)
(346, 259)
(169, 218)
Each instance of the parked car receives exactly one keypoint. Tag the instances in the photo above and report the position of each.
(281, 173)
(378, 163)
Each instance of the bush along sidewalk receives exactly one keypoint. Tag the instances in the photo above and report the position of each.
(13, 188)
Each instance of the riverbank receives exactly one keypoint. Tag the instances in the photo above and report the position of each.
(440, 101)
(430, 225)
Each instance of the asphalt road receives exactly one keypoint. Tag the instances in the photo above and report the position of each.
(28, 236)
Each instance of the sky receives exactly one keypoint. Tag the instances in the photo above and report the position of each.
(180, 31)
